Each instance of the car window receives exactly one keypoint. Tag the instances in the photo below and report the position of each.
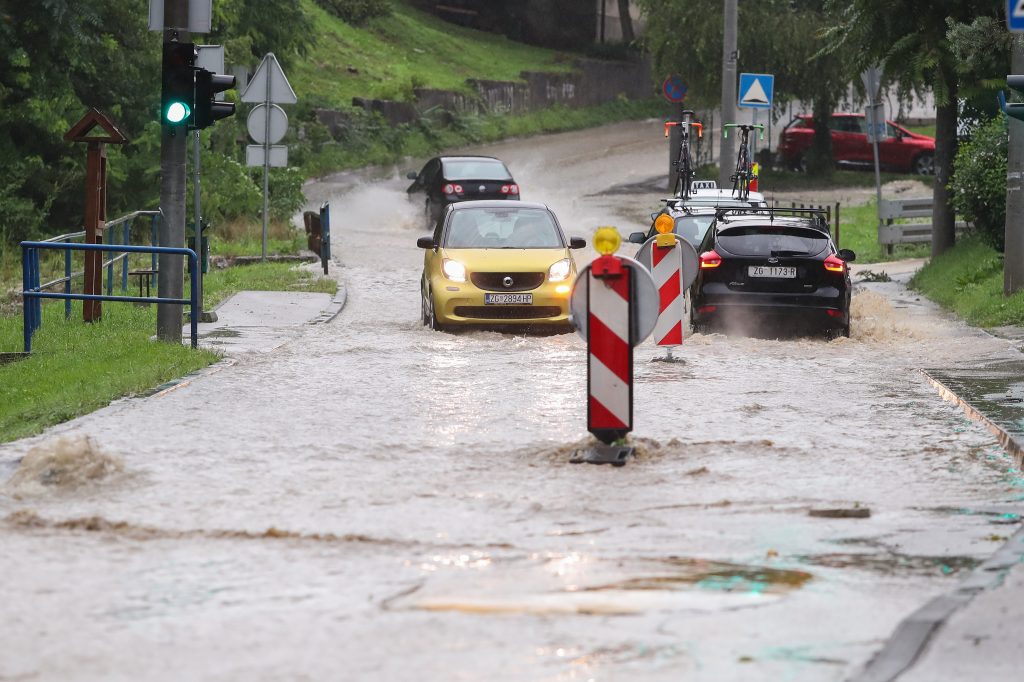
(502, 228)
(768, 240)
(692, 228)
(798, 123)
(476, 169)
(848, 124)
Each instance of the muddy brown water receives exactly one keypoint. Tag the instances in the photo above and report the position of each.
(376, 501)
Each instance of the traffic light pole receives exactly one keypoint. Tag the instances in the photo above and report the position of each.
(170, 277)
(1013, 262)
(729, 57)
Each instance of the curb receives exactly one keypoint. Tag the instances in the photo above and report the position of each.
(914, 632)
(1014, 448)
(334, 309)
(181, 382)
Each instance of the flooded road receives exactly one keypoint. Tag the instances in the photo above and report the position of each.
(376, 501)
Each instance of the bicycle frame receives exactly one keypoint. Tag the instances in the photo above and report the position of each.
(741, 178)
(684, 164)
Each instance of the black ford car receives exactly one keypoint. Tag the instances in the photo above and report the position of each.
(447, 179)
(772, 263)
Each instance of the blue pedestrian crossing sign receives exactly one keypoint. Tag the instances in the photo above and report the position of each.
(1015, 15)
(756, 90)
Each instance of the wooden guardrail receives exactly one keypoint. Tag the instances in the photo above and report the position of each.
(892, 232)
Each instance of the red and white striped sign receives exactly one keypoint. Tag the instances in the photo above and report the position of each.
(666, 268)
(610, 348)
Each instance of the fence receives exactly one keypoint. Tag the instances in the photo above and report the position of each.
(892, 233)
(829, 215)
(33, 292)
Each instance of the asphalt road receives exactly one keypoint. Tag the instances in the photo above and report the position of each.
(376, 501)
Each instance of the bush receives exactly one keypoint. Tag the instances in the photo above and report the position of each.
(356, 12)
(979, 181)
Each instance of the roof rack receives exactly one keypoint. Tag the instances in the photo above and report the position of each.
(819, 213)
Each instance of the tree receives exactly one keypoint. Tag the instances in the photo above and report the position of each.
(783, 37)
(912, 38)
(626, 21)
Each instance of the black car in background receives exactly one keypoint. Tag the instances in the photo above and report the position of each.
(448, 179)
(760, 264)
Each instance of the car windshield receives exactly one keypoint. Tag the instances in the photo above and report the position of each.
(692, 228)
(768, 240)
(502, 228)
(476, 169)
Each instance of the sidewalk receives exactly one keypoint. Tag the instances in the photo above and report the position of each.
(976, 631)
(260, 321)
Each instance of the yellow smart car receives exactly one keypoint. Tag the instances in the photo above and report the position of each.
(490, 263)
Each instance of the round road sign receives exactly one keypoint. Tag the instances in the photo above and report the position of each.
(673, 88)
(645, 301)
(257, 124)
(691, 263)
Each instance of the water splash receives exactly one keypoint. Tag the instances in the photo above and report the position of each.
(64, 463)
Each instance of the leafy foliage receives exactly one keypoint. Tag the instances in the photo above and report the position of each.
(979, 181)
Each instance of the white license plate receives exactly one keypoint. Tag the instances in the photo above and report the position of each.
(508, 299)
(775, 271)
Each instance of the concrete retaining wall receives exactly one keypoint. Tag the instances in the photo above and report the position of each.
(592, 82)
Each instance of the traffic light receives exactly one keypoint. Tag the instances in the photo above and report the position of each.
(177, 99)
(208, 110)
(1013, 110)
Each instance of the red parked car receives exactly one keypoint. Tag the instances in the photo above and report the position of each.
(901, 150)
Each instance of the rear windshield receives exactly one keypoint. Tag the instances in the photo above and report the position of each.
(757, 240)
(476, 169)
(502, 228)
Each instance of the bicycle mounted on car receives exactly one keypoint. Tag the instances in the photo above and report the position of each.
(683, 165)
(744, 167)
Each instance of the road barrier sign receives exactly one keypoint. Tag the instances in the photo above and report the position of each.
(673, 265)
(614, 307)
(674, 89)
(756, 90)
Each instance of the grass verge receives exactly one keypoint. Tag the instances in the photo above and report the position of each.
(968, 280)
(858, 230)
(77, 368)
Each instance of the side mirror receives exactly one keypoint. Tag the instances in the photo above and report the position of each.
(847, 255)
(577, 242)
(654, 216)
(638, 237)
(412, 175)
(426, 242)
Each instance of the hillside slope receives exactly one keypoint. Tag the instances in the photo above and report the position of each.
(388, 57)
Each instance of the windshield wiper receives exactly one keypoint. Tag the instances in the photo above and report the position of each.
(790, 253)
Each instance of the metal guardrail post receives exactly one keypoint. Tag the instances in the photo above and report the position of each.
(325, 236)
(26, 323)
(37, 307)
(126, 239)
(196, 301)
(67, 283)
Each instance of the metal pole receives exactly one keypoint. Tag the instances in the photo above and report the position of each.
(1013, 263)
(197, 204)
(170, 277)
(729, 58)
(67, 283)
(127, 235)
(266, 161)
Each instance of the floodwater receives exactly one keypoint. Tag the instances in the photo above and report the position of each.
(376, 501)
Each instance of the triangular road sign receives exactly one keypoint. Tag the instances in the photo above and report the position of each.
(269, 84)
(755, 94)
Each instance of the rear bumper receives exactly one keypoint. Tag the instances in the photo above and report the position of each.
(826, 305)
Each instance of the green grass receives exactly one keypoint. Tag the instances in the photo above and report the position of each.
(791, 181)
(391, 55)
(968, 279)
(77, 368)
(858, 230)
(251, 245)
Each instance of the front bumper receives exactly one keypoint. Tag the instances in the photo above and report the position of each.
(462, 304)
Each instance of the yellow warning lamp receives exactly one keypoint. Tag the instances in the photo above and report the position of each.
(664, 225)
(607, 240)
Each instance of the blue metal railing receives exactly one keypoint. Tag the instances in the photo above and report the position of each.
(32, 292)
(126, 223)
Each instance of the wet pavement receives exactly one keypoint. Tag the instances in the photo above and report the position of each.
(376, 501)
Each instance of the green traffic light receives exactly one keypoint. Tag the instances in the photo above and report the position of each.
(177, 112)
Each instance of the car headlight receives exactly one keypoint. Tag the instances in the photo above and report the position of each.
(560, 271)
(454, 270)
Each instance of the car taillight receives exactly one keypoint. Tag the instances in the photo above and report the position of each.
(835, 264)
(510, 189)
(709, 259)
(704, 309)
(453, 189)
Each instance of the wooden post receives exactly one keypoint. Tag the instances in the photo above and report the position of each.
(837, 224)
(95, 214)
